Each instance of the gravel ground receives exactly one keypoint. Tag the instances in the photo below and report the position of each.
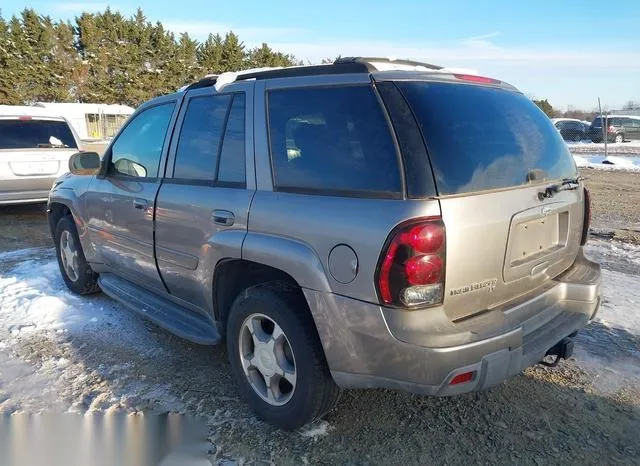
(615, 200)
(565, 415)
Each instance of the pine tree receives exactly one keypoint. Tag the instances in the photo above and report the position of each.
(162, 61)
(105, 57)
(233, 54)
(7, 65)
(187, 56)
(18, 68)
(210, 54)
(264, 56)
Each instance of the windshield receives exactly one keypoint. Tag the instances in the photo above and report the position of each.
(481, 137)
(33, 134)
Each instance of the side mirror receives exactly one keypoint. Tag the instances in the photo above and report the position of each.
(84, 163)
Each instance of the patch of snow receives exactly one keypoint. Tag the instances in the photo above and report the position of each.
(318, 429)
(40, 321)
(23, 253)
(621, 304)
(581, 161)
(610, 162)
(608, 347)
(586, 147)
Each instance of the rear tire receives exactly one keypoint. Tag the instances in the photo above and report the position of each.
(619, 138)
(260, 317)
(75, 270)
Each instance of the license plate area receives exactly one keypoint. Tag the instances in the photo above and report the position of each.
(536, 238)
(536, 241)
(34, 168)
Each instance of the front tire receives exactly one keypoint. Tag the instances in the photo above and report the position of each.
(75, 270)
(277, 358)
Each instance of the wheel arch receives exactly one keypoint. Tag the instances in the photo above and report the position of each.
(233, 276)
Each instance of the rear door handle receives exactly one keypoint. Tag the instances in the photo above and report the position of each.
(140, 204)
(223, 217)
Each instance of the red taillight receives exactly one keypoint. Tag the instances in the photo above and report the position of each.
(587, 217)
(462, 378)
(411, 268)
(24, 117)
(476, 79)
(423, 270)
(611, 129)
(426, 238)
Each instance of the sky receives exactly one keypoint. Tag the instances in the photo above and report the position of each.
(569, 52)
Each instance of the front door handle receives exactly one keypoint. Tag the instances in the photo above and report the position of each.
(223, 217)
(140, 204)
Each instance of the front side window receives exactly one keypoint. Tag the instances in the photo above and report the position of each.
(332, 140)
(138, 149)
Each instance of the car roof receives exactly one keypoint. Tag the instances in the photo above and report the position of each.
(16, 111)
(378, 68)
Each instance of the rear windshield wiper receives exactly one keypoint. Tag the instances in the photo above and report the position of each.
(51, 146)
(568, 184)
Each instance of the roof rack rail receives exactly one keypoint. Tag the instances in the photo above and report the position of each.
(373, 63)
(339, 66)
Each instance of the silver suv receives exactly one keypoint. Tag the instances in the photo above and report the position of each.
(367, 223)
(34, 151)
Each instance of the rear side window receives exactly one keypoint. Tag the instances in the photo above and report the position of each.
(232, 158)
(211, 142)
(34, 134)
(332, 140)
(200, 138)
(481, 138)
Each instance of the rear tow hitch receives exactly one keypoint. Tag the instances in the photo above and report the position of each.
(562, 350)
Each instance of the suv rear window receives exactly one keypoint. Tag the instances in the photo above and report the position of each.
(332, 140)
(34, 134)
(481, 138)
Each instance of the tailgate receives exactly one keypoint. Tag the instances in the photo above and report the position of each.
(492, 152)
(503, 244)
(19, 163)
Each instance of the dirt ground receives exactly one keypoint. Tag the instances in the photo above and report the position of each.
(615, 200)
(563, 415)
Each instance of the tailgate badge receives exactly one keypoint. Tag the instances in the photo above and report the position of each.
(544, 211)
(484, 285)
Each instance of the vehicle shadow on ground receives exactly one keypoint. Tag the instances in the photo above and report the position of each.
(24, 226)
(544, 416)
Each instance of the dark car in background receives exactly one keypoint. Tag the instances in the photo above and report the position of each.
(619, 128)
(572, 130)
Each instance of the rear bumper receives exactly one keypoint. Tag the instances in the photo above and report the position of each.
(367, 346)
(25, 190)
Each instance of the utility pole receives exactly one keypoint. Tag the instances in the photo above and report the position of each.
(604, 128)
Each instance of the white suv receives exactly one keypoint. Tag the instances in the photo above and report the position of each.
(34, 151)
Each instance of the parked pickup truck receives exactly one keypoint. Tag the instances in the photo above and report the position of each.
(367, 223)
